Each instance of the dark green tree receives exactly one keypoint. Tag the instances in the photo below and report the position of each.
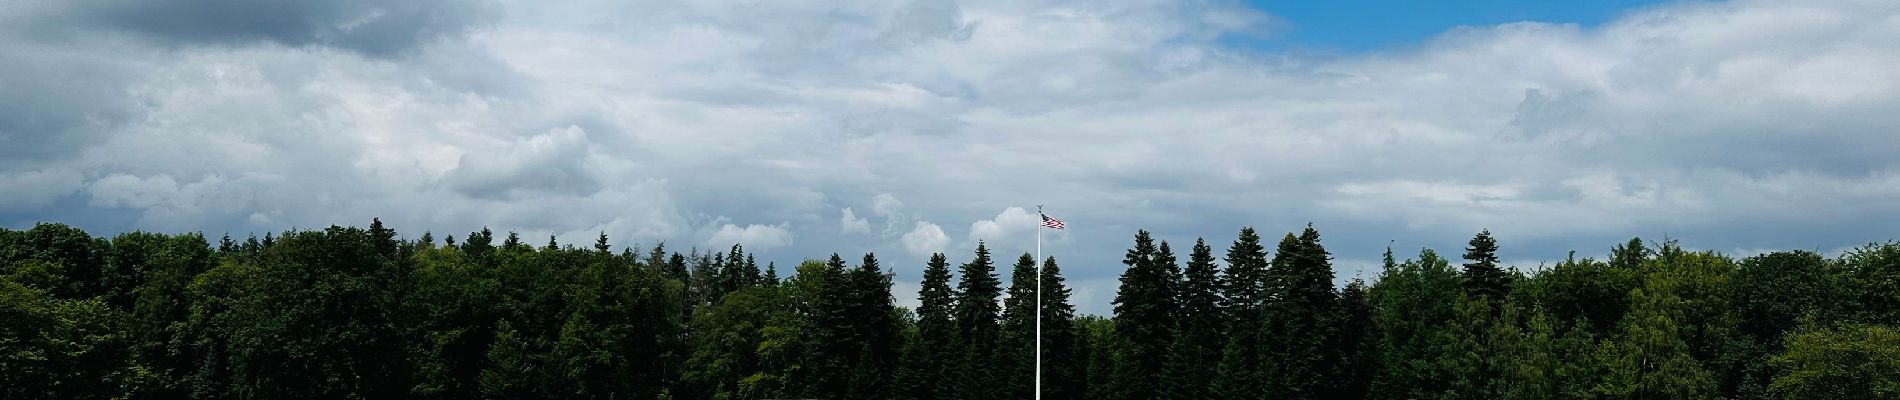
(1198, 320)
(977, 329)
(1300, 320)
(875, 329)
(1064, 363)
(1244, 287)
(1144, 320)
(929, 360)
(1482, 275)
(1016, 352)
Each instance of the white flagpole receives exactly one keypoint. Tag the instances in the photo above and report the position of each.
(1039, 301)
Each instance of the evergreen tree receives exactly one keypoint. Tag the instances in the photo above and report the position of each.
(834, 346)
(976, 314)
(1016, 352)
(1064, 366)
(771, 274)
(513, 241)
(1198, 338)
(1482, 275)
(1244, 296)
(876, 331)
(1353, 343)
(929, 360)
(1300, 319)
(1144, 320)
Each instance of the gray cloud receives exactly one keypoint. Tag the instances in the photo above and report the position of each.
(1735, 125)
(377, 28)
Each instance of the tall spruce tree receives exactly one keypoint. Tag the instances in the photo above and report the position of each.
(833, 342)
(1015, 361)
(1244, 296)
(875, 327)
(1198, 338)
(976, 314)
(1300, 319)
(1482, 275)
(1353, 344)
(1064, 365)
(1144, 320)
(930, 359)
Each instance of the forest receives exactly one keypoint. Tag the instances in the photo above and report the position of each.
(348, 312)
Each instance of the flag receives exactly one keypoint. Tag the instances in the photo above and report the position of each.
(1051, 222)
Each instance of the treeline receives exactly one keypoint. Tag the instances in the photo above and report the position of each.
(364, 313)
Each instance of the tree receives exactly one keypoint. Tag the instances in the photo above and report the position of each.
(1064, 364)
(929, 360)
(1412, 302)
(977, 329)
(1144, 320)
(1873, 283)
(1852, 362)
(1353, 344)
(1482, 275)
(1244, 287)
(1198, 328)
(1299, 320)
(1016, 352)
(875, 329)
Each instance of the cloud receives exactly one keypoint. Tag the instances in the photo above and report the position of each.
(754, 237)
(30, 190)
(851, 223)
(926, 239)
(1748, 124)
(372, 27)
(554, 162)
(1013, 224)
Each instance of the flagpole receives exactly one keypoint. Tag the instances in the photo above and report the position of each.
(1039, 303)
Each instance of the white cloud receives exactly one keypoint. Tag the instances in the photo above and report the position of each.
(1012, 225)
(926, 239)
(850, 222)
(754, 237)
(121, 190)
(1708, 121)
(30, 190)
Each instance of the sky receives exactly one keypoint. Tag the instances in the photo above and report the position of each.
(802, 128)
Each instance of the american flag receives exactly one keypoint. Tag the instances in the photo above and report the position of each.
(1051, 222)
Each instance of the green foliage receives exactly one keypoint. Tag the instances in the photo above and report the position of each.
(358, 313)
(1016, 349)
(1483, 277)
(1853, 362)
(930, 359)
(977, 329)
(1144, 319)
(1064, 358)
(1198, 328)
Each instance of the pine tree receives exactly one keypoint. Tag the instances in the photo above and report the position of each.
(513, 242)
(1482, 275)
(1353, 344)
(600, 244)
(1144, 320)
(929, 360)
(771, 274)
(1064, 372)
(976, 314)
(1198, 328)
(1299, 320)
(876, 331)
(1017, 350)
(834, 343)
(1244, 296)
